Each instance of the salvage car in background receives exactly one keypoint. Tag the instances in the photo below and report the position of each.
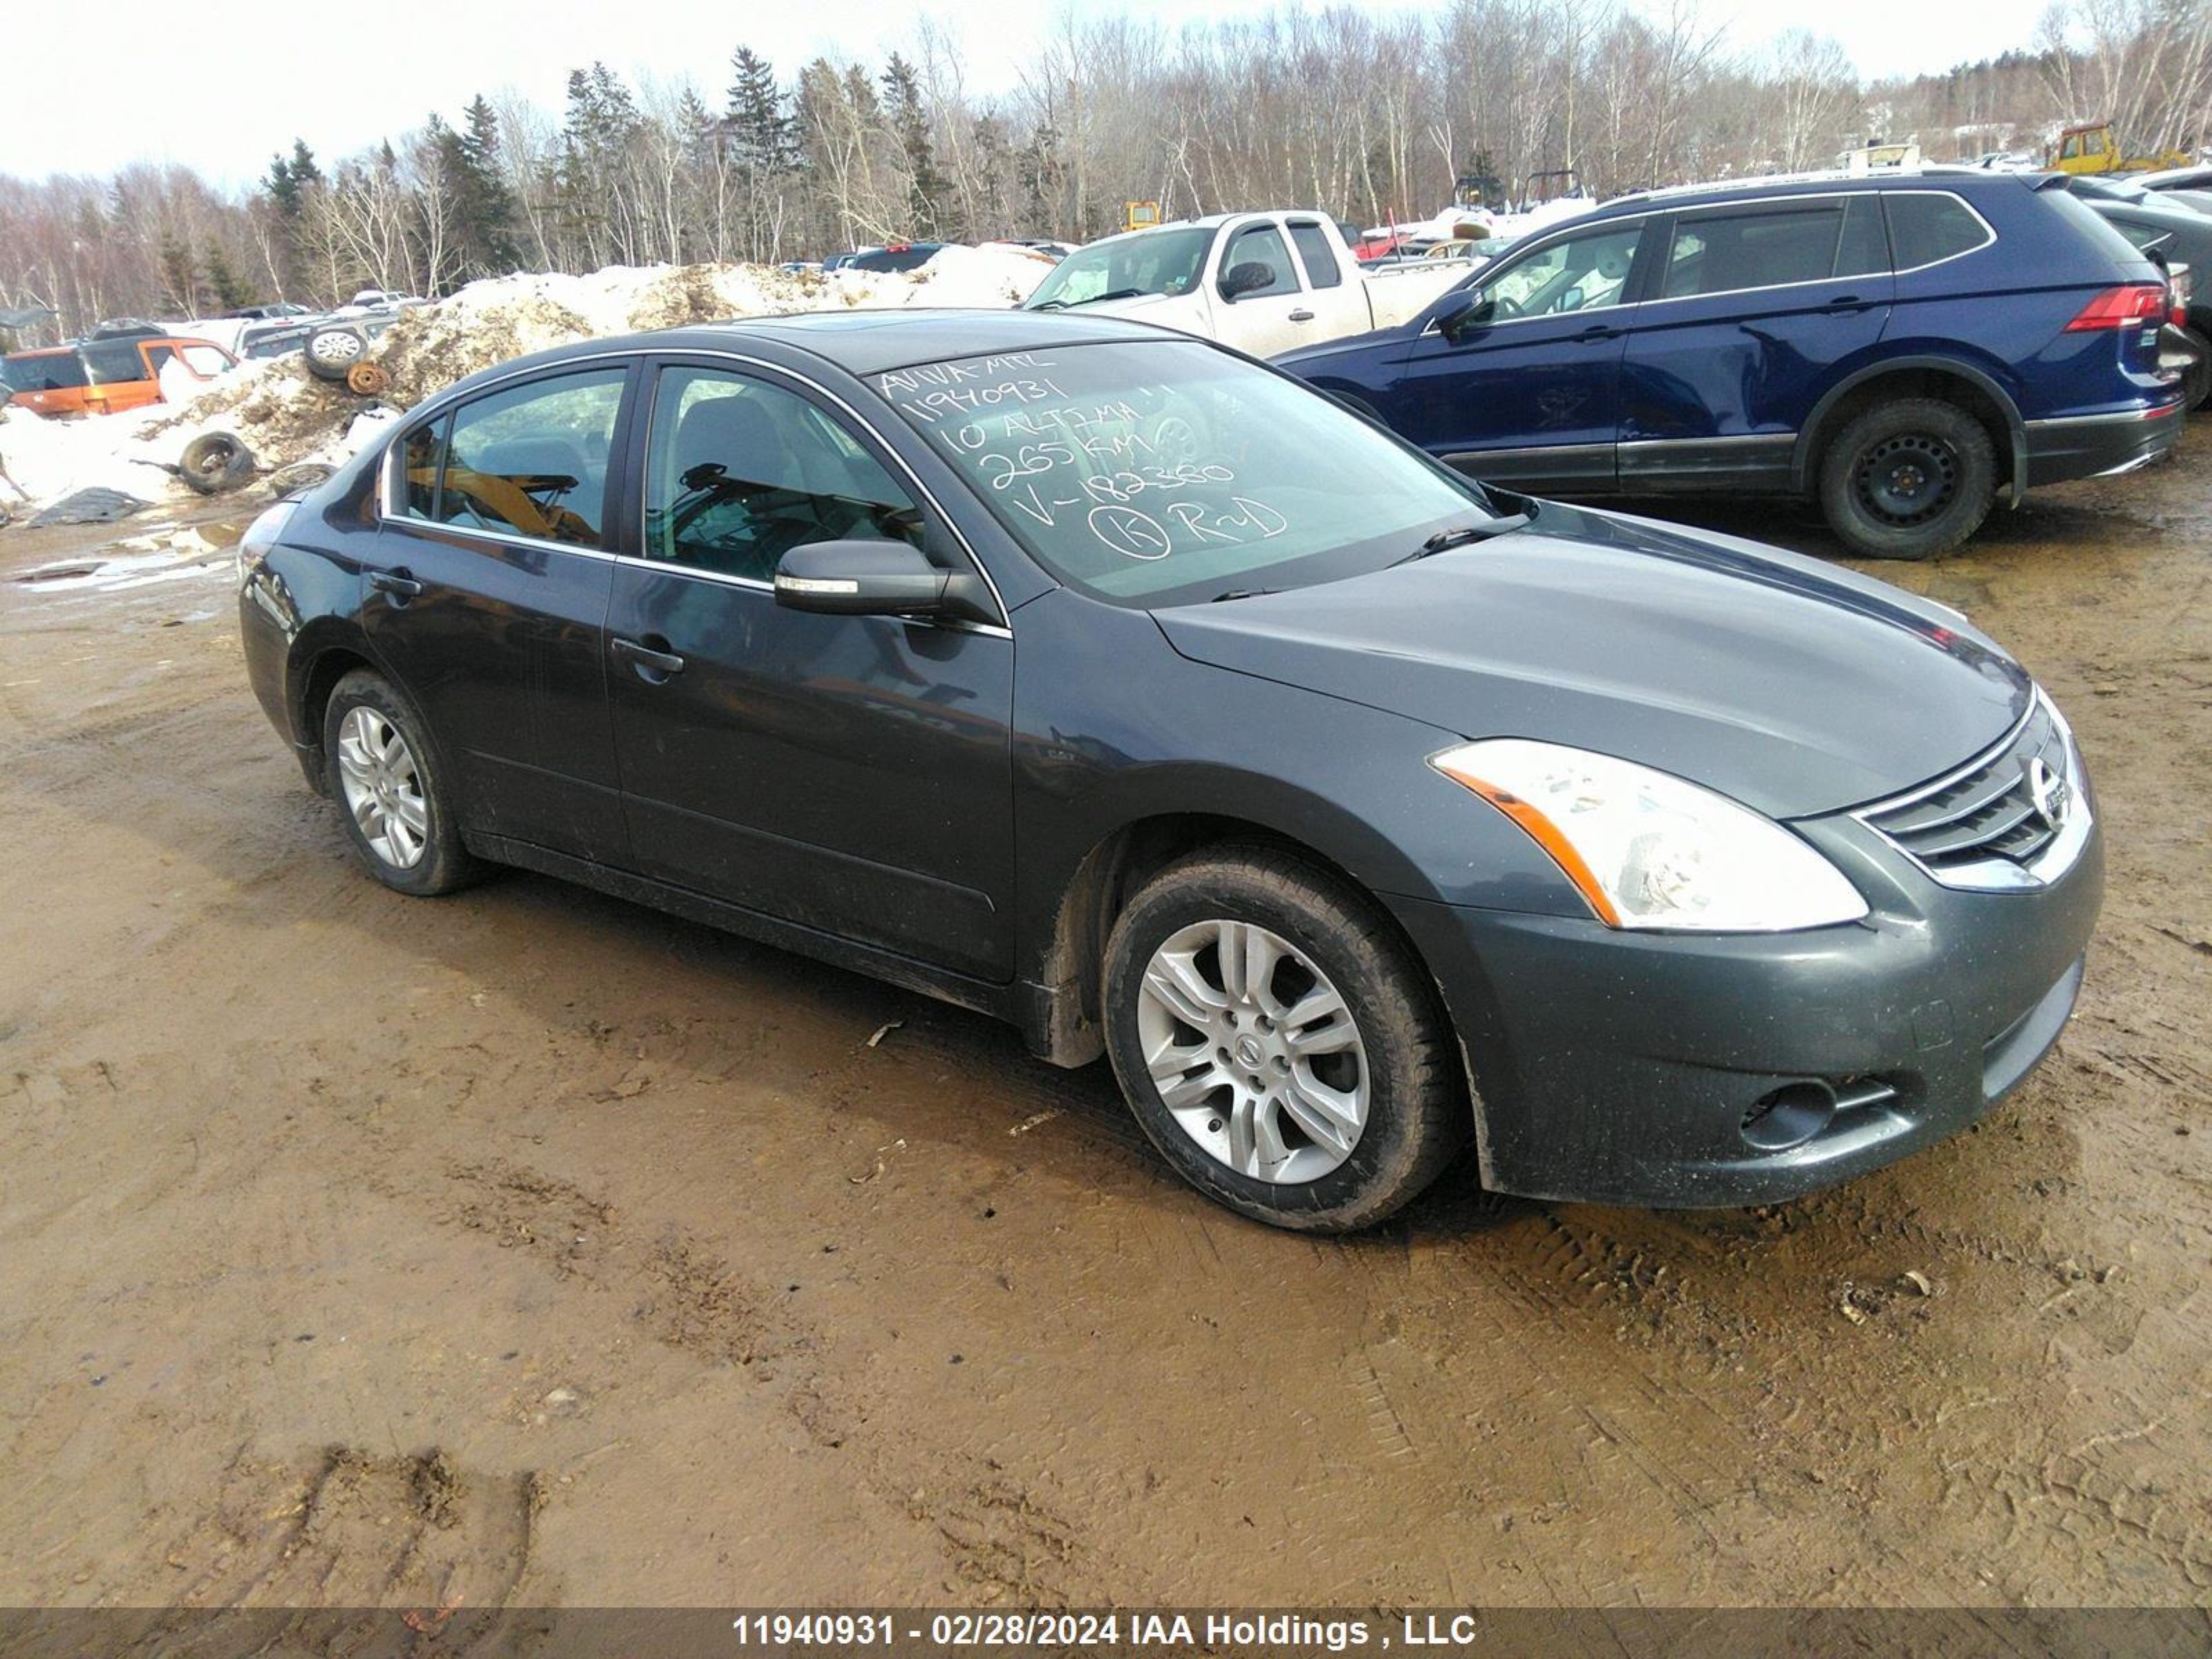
(1901, 348)
(1118, 686)
(2170, 228)
(106, 376)
(1263, 282)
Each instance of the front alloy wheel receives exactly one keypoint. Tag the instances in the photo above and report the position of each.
(1253, 1051)
(1277, 1040)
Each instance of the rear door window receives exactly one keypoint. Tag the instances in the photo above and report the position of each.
(533, 461)
(1926, 226)
(1318, 258)
(1761, 247)
(114, 362)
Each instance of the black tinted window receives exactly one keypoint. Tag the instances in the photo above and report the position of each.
(738, 473)
(1319, 257)
(1765, 247)
(114, 362)
(45, 371)
(533, 461)
(1261, 245)
(1924, 228)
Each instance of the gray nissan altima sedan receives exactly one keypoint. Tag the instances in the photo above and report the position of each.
(1118, 686)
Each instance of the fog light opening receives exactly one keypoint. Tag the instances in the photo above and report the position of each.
(1788, 1116)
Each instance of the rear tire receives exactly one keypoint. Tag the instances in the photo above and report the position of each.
(1908, 479)
(1340, 1099)
(2197, 383)
(386, 777)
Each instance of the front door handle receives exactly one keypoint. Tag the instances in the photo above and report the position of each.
(398, 583)
(653, 665)
(1302, 315)
(1599, 331)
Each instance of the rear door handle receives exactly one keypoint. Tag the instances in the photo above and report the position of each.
(653, 665)
(398, 583)
(1302, 315)
(1847, 302)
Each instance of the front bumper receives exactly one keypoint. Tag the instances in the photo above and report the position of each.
(2093, 446)
(1688, 1070)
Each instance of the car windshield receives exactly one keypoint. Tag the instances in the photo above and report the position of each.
(1152, 473)
(1153, 262)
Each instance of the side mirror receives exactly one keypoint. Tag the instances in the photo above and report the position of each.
(1248, 278)
(876, 579)
(1460, 311)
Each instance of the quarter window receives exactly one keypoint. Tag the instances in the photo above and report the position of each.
(1262, 245)
(1319, 257)
(1925, 227)
(738, 473)
(533, 461)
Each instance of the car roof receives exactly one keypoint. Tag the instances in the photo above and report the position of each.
(1800, 184)
(862, 341)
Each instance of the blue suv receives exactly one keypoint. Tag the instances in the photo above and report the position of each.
(1900, 348)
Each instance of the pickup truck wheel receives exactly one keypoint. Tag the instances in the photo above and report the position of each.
(1908, 479)
(1277, 1044)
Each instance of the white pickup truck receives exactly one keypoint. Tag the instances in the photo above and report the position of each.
(1263, 282)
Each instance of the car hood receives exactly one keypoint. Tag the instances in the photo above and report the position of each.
(1792, 686)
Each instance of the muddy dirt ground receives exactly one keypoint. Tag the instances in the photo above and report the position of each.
(528, 1247)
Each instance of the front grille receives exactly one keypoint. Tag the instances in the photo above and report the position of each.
(2008, 805)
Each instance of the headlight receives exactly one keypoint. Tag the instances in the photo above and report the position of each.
(1649, 850)
(260, 536)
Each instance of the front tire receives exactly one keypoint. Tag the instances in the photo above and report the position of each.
(1277, 1044)
(1908, 479)
(385, 776)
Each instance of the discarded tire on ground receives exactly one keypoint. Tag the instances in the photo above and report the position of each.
(334, 349)
(368, 379)
(214, 462)
(300, 475)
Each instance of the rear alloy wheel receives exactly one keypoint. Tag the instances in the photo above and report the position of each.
(1277, 1042)
(1908, 479)
(383, 775)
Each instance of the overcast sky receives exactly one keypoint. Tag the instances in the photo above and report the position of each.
(102, 82)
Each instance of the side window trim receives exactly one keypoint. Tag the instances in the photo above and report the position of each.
(1892, 269)
(938, 529)
(392, 490)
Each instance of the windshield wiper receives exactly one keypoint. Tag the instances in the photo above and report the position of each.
(1460, 534)
(1243, 593)
(1092, 299)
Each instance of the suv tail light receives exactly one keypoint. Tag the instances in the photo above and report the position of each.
(2122, 308)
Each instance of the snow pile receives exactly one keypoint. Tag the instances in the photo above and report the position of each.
(285, 415)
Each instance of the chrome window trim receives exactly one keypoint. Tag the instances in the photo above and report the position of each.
(387, 515)
(1989, 239)
(1998, 875)
(1566, 233)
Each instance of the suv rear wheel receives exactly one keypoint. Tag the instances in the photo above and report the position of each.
(1908, 479)
(1277, 1044)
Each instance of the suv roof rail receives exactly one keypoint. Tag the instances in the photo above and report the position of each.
(1764, 181)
